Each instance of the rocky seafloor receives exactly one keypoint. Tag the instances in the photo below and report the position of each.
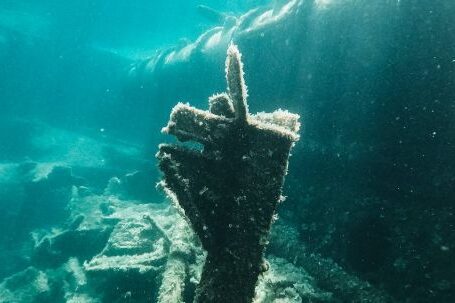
(81, 221)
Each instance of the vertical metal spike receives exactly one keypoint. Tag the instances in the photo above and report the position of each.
(236, 83)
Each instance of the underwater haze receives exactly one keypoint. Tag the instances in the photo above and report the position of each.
(86, 88)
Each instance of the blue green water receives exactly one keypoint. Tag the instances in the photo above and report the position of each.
(86, 86)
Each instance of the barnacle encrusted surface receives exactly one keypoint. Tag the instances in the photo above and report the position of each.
(229, 190)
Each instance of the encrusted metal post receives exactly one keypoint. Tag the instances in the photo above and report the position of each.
(229, 190)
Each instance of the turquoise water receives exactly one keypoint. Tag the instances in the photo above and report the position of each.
(87, 86)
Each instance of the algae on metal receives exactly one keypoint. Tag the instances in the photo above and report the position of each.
(230, 189)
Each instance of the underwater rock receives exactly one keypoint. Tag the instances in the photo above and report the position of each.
(133, 246)
(67, 283)
(229, 191)
(285, 282)
(30, 285)
(52, 251)
(77, 221)
(114, 187)
(134, 237)
(327, 274)
(136, 185)
(46, 199)
(150, 244)
(131, 261)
